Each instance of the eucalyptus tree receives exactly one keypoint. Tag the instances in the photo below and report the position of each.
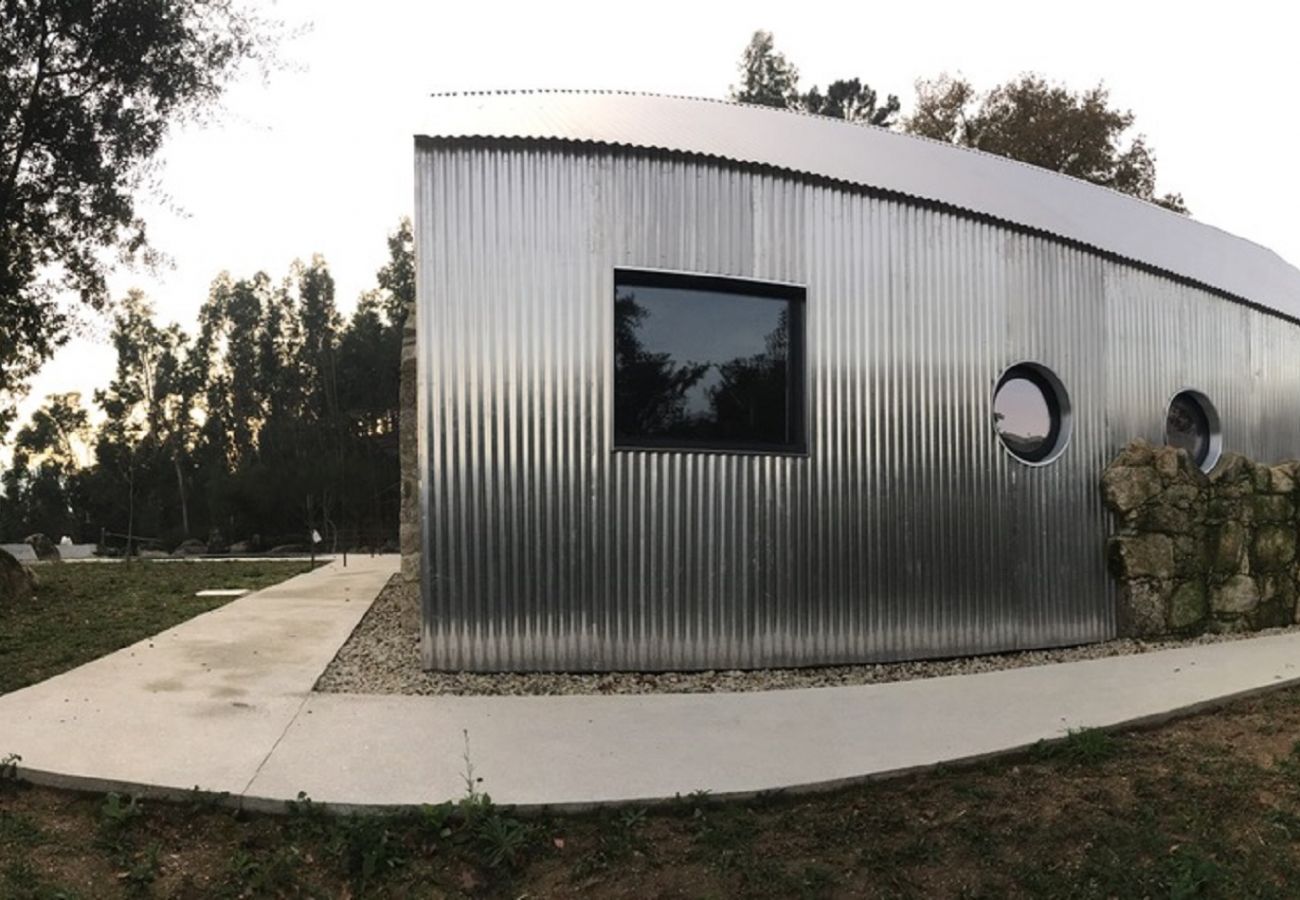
(43, 486)
(768, 78)
(148, 433)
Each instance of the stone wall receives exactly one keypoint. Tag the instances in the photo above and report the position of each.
(1196, 552)
(409, 452)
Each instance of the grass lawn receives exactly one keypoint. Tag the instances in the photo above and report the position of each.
(84, 610)
(1208, 806)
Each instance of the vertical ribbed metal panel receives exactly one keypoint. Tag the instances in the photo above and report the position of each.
(906, 531)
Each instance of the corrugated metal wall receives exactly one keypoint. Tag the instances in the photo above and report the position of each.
(907, 531)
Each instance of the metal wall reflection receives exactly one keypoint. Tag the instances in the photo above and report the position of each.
(906, 531)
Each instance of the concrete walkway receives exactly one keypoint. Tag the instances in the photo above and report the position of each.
(203, 703)
(224, 702)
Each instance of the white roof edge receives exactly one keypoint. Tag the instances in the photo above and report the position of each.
(976, 182)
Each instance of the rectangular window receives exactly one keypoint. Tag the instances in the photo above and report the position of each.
(702, 362)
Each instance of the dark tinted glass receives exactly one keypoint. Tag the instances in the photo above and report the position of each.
(1024, 415)
(1188, 428)
(703, 362)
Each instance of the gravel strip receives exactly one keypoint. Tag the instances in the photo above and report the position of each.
(383, 657)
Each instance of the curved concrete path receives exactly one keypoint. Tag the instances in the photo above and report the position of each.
(224, 702)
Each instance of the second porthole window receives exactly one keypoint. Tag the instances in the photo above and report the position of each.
(1192, 424)
(1031, 412)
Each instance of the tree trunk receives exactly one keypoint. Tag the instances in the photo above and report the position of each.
(180, 487)
(130, 507)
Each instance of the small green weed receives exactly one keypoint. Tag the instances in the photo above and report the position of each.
(206, 801)
(118, 820)
(116, 816)
(21, 881)
(19, 875)
(619, 837)
(272, 875)
(142, 871)
(16, 828)
(9, 770)
(723, 836)
(306, 819)
(369, 849)
(503, 840)
(1288, 823)
(1289, 765)
(435, 820)
(1192, 875)
(1080, 747)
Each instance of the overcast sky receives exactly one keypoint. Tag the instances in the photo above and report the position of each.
(318, 159)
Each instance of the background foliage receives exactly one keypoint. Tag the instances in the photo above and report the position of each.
(87, 94)
(276, 416)
(1028, 118)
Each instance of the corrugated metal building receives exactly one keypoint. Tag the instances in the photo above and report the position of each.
(705, 385)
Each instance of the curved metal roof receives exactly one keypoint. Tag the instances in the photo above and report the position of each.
(876, 158)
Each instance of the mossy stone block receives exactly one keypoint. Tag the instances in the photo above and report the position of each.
(1142, 556)
(1229, 548)
(1188, 606)
(1125, 488)
(1237, 596)
(1142, 608)
(1274, 547)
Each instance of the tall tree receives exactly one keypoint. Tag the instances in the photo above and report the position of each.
(397, 277)
(767, 78)
(1043, 124)
(43, 485)
(87, 91)
(852, 101)
(238, 369)
(320, 328)
(149, 408)
(59, 431)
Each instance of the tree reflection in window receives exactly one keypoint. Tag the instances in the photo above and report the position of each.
(1023, 416)
(704, 362)
(1030, 412)
(1187, 426)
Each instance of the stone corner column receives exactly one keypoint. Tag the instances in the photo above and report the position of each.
(409, 452)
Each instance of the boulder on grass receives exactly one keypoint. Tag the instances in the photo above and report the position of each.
(191, 547)
(252, 545)
(17, 582)
(216, 542)
(44, 548)
(283, 549)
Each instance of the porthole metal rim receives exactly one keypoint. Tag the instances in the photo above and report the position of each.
(1058, 401)
(1214, 447)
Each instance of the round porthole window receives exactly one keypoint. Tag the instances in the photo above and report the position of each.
(1031, 412)
(1192, 424)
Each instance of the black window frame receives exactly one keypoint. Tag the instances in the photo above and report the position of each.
(796, 297)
